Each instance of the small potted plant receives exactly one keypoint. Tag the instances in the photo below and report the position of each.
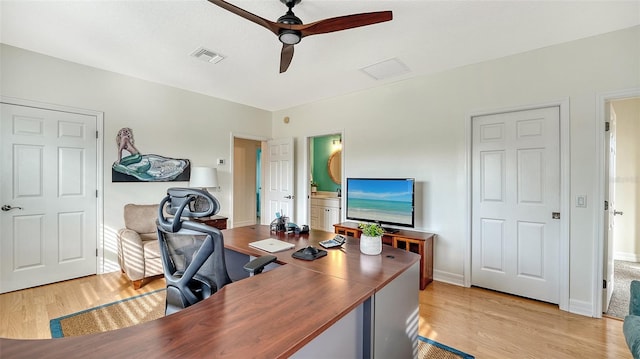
(371, 238)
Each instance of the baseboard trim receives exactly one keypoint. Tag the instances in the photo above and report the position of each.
(244, 223)
(581, 307)
(448, 277)
(626, 256)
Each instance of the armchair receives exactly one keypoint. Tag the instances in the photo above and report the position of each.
(631, 325)
(138, 250)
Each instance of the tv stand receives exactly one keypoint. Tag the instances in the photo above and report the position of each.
(390, 230)
(412, 241)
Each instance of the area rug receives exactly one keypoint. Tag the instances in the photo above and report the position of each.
(430, 349)
(123, 313)
(624, 272)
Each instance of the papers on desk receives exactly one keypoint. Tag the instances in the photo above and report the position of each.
(272, 245)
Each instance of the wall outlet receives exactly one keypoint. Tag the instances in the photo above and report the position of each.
(220, 161)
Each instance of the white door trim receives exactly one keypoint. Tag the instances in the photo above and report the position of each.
(565, 192)
(597, 276)
(100, 265)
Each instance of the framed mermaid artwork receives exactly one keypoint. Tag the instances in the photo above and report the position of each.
(133, 166)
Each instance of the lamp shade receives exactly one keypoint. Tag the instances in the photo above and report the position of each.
(204, 177)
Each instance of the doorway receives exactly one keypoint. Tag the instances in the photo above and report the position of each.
(247, 181)
(325, 168)
(622, 203)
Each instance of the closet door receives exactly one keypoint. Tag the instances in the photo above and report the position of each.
(48, 196)
(516, 203)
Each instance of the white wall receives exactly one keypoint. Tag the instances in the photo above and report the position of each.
(626, 243)
(416, 128)
(165, 120)
(410, 128)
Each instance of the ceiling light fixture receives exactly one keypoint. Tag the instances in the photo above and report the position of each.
(289, 37)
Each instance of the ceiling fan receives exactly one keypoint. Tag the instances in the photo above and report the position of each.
(290, 29)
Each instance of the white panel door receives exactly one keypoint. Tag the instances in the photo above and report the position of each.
(610, 208)
(279, 179)
(48, 194)
(516, 188)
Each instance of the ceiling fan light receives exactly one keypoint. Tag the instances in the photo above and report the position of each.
(289, 37)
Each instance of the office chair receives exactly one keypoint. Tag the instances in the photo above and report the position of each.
(193, 255)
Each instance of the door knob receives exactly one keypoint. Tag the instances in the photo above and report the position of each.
(7, 207)
(615, 213)
(289, 197)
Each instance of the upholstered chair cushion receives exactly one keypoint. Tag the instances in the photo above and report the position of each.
(138, 247)
(631, 329)
(141, 218)
(634, 300)
(631, 326)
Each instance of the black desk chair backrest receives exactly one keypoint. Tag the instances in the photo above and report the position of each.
(192, 252)
(193, 255)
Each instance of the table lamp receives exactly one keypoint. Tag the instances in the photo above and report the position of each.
(203, 177)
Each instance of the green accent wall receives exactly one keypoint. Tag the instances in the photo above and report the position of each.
(323, 148)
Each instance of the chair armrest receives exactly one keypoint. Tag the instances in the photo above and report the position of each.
(257, 265)
(131, 254)
(130, 236)
(634, 297)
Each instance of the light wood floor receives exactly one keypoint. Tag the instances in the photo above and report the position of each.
(483, 323)
(488, 324)
(26, 313)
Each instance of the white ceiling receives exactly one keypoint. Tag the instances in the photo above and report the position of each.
(153, 40)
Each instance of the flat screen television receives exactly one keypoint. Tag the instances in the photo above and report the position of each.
(383, 200)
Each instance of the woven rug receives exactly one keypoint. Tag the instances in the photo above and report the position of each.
(120, 314)
(430, 349)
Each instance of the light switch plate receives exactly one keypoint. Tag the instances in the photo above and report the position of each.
(581, 201)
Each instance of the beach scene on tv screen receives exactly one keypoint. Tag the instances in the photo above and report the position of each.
(380, 200)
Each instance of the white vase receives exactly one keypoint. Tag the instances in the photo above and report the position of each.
(370, 245)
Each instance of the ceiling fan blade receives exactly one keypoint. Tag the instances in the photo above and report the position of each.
(285, 57)
(270, 25)
(343, 23)
(289, 22)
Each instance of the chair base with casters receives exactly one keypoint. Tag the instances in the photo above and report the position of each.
(193, 254)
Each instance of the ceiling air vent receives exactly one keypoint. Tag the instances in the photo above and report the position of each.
(386, 69)
(207, 55)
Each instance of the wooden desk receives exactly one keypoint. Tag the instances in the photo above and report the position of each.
(417, 242)
(292, 311)
(216, 221)
(347, 263)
